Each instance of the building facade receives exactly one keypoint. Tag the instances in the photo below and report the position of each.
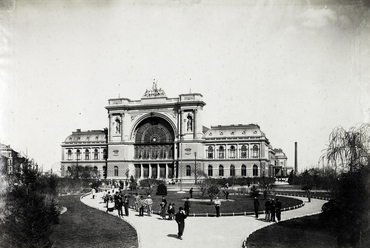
(161, 137)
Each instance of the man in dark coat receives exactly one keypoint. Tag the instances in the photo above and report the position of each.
(180, 220)
(256, 206)
(191, 192)
(278, 206)
(187, 206)
(272, 210)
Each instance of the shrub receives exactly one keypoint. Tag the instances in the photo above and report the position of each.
(162, 189)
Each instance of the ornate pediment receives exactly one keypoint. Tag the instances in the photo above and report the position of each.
(154, 92)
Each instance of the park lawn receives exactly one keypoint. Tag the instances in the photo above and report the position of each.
(305, 232)
(83, 226)
(236, 203)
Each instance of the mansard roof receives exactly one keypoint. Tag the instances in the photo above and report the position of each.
(89, 136)
(240, 130)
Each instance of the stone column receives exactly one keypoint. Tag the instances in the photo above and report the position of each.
(166, 171)
(150, 171)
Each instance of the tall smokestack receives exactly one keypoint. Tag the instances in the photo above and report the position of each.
(295, 158)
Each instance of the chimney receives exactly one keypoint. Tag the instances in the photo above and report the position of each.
(295, 158)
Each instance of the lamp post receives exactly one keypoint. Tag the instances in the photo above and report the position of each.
(179, 164)
(195, 164)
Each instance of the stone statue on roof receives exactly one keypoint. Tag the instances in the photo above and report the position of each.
(154, 91)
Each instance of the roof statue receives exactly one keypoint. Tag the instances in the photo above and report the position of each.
(154, 91)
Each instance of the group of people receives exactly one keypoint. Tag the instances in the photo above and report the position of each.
(116, 201)
(272, 209)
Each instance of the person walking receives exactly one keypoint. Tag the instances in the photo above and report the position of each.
(278, 206)
(218, 206)
(191, 193)
(267, 210)
(180, 220)
(126, 205)
(256, 204)
(187, 206)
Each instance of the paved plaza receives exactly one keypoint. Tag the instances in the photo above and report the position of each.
(201, 231)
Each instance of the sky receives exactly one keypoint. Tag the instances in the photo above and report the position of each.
(298, 69)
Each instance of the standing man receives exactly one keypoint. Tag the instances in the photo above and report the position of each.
(191, 192)
(278, 206)
(217, 205)
(126, 204)
(256, 206)
(180, 220)
(272, 210)
(267, 210)
(187, 206)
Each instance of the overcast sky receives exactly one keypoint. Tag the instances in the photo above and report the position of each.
(297, 69)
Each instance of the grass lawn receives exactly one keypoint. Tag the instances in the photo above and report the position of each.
(82, 226)
(236, 203)
(303, 232)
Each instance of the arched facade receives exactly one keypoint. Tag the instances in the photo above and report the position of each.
(163, 138)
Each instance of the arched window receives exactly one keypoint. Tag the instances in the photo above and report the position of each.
(232, 170)
(116, 171)
(244, 171)
(210, 170)
(232, 152)
(221, 170)
(87, 154)
(78, 153)
(188, 171)
(69, 171)
(69, 154)
(255, 151)
(243, 152)
(96, 154)
(255, 170)
(221, 152)
(210, 152)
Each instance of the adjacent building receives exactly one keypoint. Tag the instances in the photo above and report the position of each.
(161, 137)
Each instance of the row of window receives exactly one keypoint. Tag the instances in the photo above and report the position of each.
(87, 154)
(221, 171)
(232, 152)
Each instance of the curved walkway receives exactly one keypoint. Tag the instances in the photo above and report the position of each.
(201, 232)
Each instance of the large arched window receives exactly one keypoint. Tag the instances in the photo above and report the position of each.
(210, 170)
(221, 152)
(95, 171)
(188, 171)
(232, 170)
(210, 152)
(221, 170)
(244, 171)
(255, 151)
(255, 170)
(69, 154)
(243, 152)
(96, 154)
(78, 154)
(87, 154)
(69, 171)
(116, 171)
(232, 152)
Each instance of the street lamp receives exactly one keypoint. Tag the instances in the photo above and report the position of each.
(195, 164)
(179, 164)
